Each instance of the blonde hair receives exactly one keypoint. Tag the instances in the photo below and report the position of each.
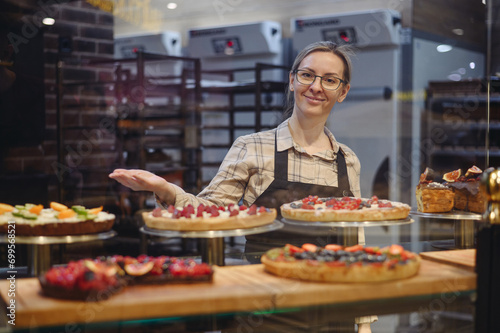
(343, 51)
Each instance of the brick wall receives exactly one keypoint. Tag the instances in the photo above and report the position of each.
(82, 33)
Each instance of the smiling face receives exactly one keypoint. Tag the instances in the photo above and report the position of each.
(313, 101)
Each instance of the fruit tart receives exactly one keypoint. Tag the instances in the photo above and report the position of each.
(346, 264)
(89, 280)
(163, 269)
(56, 220)
(98, 279)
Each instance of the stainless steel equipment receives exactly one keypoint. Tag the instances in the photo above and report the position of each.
(367, 121)
(241, 83)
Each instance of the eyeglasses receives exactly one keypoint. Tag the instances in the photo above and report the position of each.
(328, 82)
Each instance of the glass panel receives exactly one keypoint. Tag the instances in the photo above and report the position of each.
(168, 88)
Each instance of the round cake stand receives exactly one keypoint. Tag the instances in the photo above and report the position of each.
(39, 247)
(464, 224)
(347, 232)
(212, 241)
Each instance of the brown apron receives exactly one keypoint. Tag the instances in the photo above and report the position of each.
(281, 191)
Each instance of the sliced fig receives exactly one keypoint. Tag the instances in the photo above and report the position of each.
(428, 175)
(139, 269)
(422, 178)
(452, 176)
(473, 171)
(91, 265)
(110, 270)
(98, 267)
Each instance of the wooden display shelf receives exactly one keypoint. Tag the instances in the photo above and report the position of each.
(234, 289)
(465, 259)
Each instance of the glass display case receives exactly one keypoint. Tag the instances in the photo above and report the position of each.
(151, 112)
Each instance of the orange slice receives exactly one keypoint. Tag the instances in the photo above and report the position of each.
(96, 210)
(36, 209)
(4, 208)
(65, 214)
(57, 206)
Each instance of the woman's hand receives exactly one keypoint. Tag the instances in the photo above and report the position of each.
(141, 180)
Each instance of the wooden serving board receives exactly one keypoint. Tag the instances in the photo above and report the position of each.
(461, 258)
(234, 289)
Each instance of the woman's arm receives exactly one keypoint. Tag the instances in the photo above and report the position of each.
(226, 187)
(141, 180)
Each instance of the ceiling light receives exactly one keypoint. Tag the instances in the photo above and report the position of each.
(458, 31)
(48, 21)
(171, 5)
(444, 48)
(472, 65)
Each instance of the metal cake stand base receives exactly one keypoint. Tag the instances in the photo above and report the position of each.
(212, 242)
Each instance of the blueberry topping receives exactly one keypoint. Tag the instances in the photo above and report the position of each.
(351, 260)
(358, 253)
(324, 255)
(340, 253)
(325, 252)
(302, 255)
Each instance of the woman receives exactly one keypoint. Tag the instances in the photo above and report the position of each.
(253, 171)
(298, 158)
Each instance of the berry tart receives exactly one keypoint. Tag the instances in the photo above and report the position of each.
(163, 269)
(348, 209)
(209, 217)
(336, 263)
(89, 280)
(98, 279)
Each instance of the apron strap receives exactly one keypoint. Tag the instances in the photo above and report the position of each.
(281, 163)
(343, 179)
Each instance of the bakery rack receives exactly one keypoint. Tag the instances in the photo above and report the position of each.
(458, 128)
(140, 112)
(232, 106)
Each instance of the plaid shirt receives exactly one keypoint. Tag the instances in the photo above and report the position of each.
(248, 168)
